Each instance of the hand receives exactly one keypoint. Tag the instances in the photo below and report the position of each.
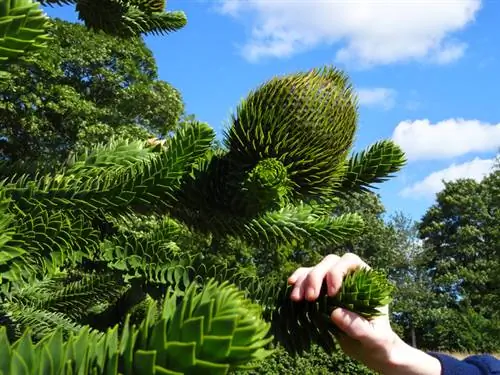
(372, 342)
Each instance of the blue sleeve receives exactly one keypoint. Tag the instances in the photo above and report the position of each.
(474, 365)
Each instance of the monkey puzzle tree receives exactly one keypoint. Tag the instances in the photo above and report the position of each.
(125, 17)
(23, 24)
(84, 291)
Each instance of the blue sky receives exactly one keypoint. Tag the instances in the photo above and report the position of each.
(426, 73)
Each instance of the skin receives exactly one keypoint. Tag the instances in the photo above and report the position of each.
(372, 342)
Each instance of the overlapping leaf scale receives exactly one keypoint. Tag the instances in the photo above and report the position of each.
(297, 325)
(210, 331)
(73, 298)
(55, 238)
(9, 249)
(305, 120)
(374, 165)
(143, 185)
(125, 18)
(18, 317)
(57, 302)
(115, 154)
(157, 23)
(300, 223)
(57, 2)
(23, 28)
(206, 193)
(154, 259)
(149, 6)
(105, 15)
(205, 205)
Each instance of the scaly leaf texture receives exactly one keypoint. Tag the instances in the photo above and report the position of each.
(301, 223)
(296, 325)
(374, 165)
(23, 28)
(57, 2)
(51, 239)
(145, 185)
(149, 6)
(153, 261)
(115, 154)
(17, 317)
(152, 253)
(305, 120)
(59, 299)
(125, 18)
(210, 331)
(9, 249)
(205, 204)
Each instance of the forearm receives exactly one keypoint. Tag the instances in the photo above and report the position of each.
(405, 359)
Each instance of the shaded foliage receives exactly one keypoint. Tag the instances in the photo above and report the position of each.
(63, 100)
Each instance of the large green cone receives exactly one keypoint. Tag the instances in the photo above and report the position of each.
(305, 120)
(23, 28)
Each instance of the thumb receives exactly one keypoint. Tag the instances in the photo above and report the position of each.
(352, 324)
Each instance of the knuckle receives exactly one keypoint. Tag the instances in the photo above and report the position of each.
(331, 257)
(352, 257)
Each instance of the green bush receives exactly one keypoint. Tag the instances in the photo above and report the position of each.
(314, 362)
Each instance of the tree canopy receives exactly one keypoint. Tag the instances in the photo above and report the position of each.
(86, 88)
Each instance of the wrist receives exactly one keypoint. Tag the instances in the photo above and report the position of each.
(405, 359)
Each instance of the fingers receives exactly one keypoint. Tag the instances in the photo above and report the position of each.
(349, 262)
(352, 324)
(308, 281)
(299, 272)
(316, 276)
(298, 290)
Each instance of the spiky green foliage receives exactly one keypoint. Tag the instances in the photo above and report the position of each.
(24, 25)
(373, 165)
(57, 302)
(297, 325)
(23, 28)
(141, 210)
(268, 183)
(143, 185)
(211, 331)
(308, 125)
(126, 18)
(286, 155)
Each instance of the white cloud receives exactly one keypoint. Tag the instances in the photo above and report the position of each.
(476, 169)
(372, 32)
(377, 97)
(422, 140)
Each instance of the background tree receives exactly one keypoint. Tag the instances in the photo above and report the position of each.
(64, 99)
(461, 238)
(461, 255)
